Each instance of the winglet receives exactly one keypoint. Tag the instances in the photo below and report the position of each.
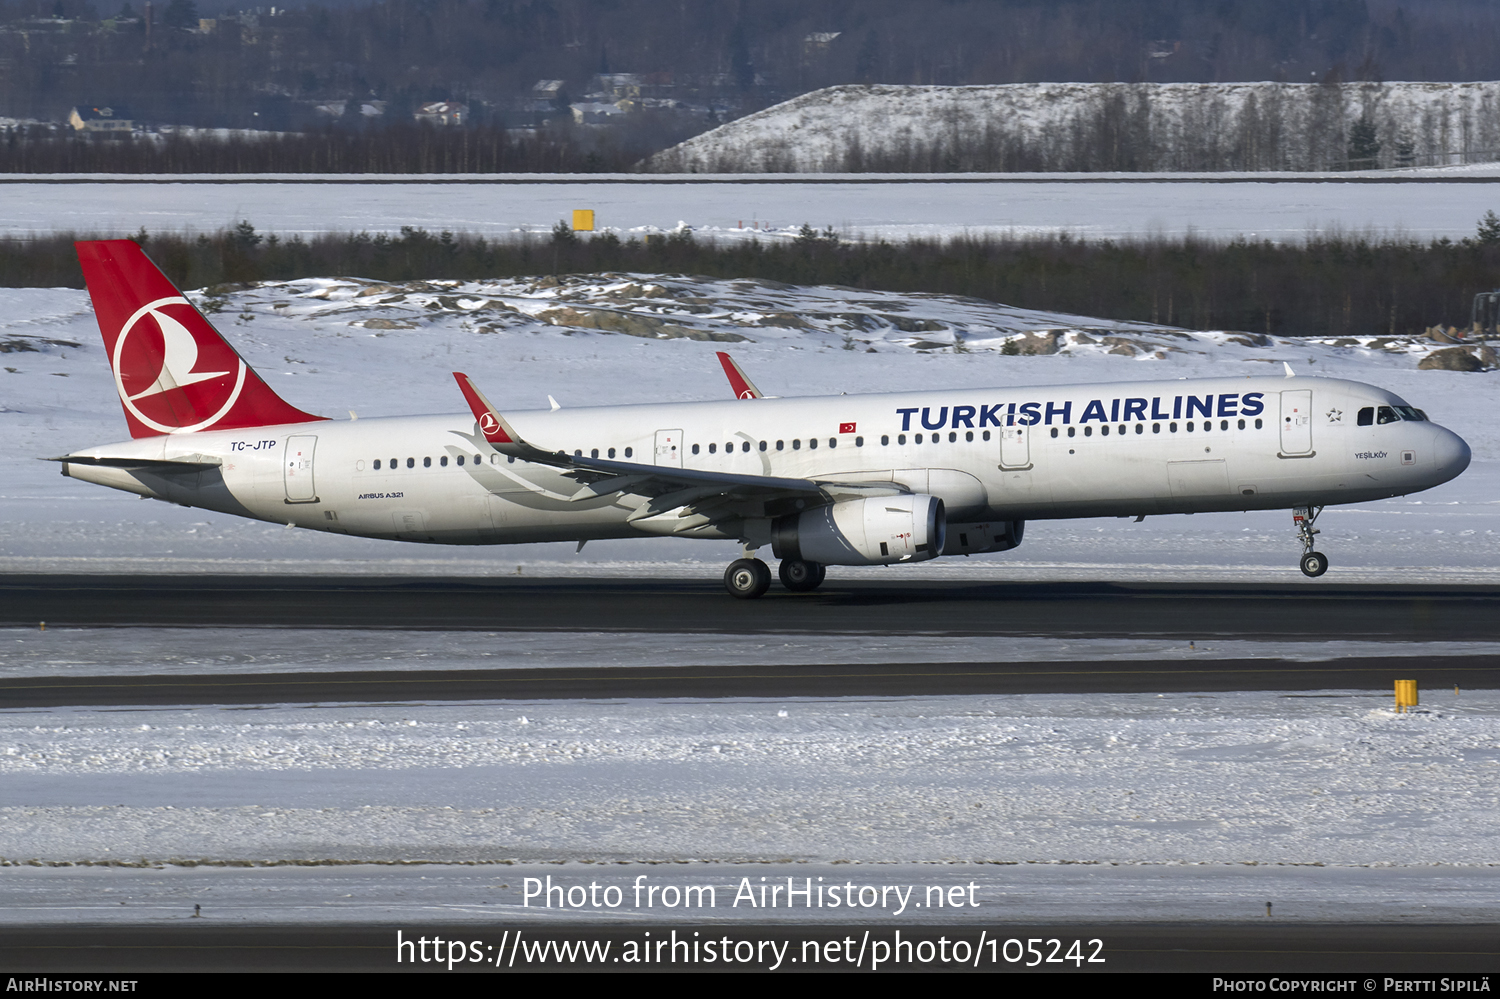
(494, 427)
(743, 387)
(1289, 372)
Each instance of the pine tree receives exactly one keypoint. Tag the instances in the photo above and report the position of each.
(1489, 229)
(1364, 147)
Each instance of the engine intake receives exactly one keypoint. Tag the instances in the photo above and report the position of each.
(878, 531)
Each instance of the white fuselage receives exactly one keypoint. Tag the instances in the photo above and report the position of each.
(1123, 449)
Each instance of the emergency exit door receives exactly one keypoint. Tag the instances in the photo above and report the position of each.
(669, 448)
(1015, 447)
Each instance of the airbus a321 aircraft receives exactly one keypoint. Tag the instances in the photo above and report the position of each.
(848, 480)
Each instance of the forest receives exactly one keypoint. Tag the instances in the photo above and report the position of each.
(1327, 286)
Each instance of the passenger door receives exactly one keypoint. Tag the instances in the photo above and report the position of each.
(1296, 422)
(297, 469)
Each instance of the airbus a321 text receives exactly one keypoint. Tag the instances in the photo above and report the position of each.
(849, 480)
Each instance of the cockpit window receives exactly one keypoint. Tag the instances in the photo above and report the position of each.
(1385, 414)
(1408, 413)
(1367, 416)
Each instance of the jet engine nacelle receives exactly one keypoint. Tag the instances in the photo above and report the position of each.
(877, 531)
(976, 539)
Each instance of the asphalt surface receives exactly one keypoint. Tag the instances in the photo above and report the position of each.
(1360, 951)
(1305, 611)
(824, 680)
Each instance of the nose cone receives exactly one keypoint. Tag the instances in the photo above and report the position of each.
(1450, 454)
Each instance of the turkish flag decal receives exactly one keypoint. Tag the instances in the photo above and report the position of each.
(846, 428)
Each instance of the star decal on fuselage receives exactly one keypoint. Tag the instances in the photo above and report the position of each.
(1335, 415)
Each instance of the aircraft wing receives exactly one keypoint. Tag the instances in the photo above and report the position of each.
(602, 476)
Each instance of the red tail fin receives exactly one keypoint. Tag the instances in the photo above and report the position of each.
(174, 372)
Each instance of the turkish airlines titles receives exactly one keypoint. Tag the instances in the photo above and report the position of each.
(1028, 414)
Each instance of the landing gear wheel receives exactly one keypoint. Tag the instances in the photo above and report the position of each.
(1314, 564)
(747, 578)
(800, 576)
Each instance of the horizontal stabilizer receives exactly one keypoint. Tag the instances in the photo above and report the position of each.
(197, 462)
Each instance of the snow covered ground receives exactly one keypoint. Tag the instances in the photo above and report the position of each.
(1091, 205)
(1180, 805)
(336, 345)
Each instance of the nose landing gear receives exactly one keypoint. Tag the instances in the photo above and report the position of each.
(1313, 563)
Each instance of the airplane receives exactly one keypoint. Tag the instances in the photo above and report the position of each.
(888, 479)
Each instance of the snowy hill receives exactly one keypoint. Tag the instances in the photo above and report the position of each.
(1103, 126)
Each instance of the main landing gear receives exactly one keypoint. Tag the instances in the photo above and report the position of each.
(800, 576)
(1313, 563)
(749, 578)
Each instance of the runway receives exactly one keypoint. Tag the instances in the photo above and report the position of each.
(756, 680)
(1364, 951)
(1301, 610)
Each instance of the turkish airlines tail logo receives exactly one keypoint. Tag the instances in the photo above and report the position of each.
(175, 374)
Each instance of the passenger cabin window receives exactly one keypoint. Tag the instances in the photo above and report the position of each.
(411, 463)
(695, 449)
(426, 462)
(443, 461)
(377, 464)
